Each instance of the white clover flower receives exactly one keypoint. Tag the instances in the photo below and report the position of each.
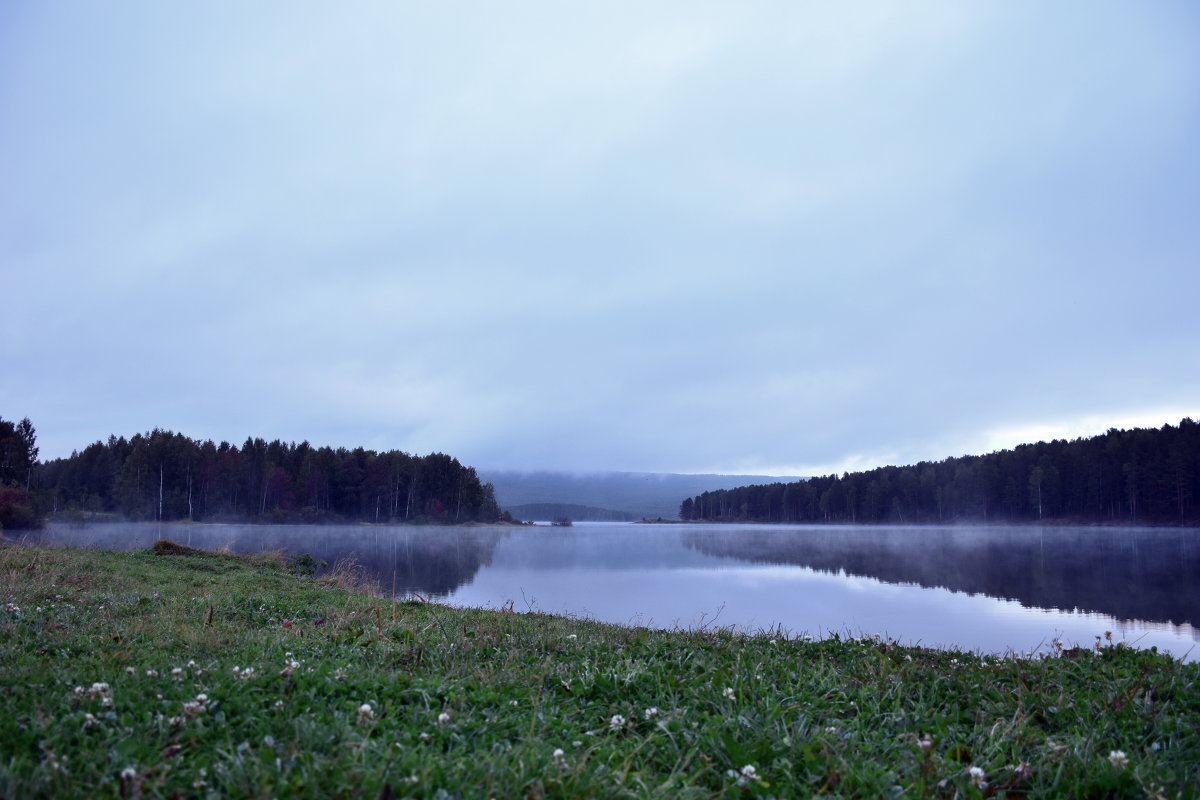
(177, 674)
(978, 776)
(572, 636)
(365, 714)
(749, 772)
(12, 608)
(339, 674)
(99, 690)
(925, 742)
(278, 704)
(131, 670)
(443, 718)
(197, 706)
(728, 693)
(151, 673)
(616, 723)
(176, 722)
(128, 773)
(1118, 759)
(650, 712)
(560, 758)
(90, 721)
(424, 737)
(56, 763)
(513, 703)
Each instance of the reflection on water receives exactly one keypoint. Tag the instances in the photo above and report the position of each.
(1129, 573)
(428, 560)
(992, 589)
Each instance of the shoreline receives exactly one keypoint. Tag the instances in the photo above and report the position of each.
(227, 673)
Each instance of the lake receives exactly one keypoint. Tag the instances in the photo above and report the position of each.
(990, 589)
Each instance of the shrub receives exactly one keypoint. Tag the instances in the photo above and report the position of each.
(305, 564)
(16, 509)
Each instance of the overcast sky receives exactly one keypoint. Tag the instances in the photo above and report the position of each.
(775, 238)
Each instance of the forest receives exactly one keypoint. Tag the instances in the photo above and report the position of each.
(161, 475)
(1139, 476)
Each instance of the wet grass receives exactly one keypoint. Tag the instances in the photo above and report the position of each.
(143, 675)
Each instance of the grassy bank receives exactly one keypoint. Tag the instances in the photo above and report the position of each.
(134, 674)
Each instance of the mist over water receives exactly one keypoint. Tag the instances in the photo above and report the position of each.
(1128, 573)
(992, 589)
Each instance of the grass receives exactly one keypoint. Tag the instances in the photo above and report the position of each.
(144, 675)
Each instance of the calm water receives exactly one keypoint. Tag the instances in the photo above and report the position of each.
(990, 589)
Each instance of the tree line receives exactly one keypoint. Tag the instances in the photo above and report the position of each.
(163, 475)
(1140, 475)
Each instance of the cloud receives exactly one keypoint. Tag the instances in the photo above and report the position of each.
(701, 238)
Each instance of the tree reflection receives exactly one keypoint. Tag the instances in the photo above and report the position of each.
(429, 561)
(432, 561)
(1125, 573)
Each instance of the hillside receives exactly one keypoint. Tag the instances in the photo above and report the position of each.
(553, 511)
(205, 674)
(636, 494)
(1134, 476)
(163, 476)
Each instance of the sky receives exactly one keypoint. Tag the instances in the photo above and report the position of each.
(783, 238)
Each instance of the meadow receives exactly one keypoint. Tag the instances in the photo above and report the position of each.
(188, 674)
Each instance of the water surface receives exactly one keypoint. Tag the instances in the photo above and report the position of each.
(991, 589)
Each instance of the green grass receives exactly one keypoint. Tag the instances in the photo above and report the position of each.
(472, 703)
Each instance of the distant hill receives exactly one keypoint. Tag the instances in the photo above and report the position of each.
(577, 513)
(636, 494)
